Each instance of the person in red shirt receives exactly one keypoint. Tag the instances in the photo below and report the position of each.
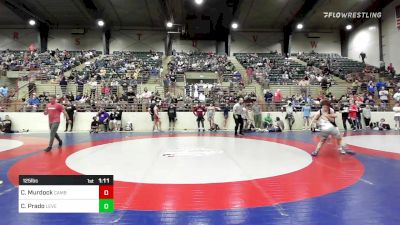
(54, 109)
(199, 111)
(353, 114)
(277, 98)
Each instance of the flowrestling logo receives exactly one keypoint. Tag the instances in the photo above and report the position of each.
(352, 15)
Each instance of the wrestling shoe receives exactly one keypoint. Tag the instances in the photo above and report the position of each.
(314, 153)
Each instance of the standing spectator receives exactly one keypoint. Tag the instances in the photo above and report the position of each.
(93, 88)
(363, 56)
(353, 114)
(71, 110)
(104, 119)
(237, 115)
(171, 116)
(396, 110)
(366, 113)
(289, 114)
(306, 115)
(31, 87)
(277, 98)
(257, 114)
(268, 97)
(211, 116)
(304, 86)
(384, 97)
(199, 111)
(63, 85)
(345, 115)
(225, 110)
(70, 97)
(118, 118)
(391, 69)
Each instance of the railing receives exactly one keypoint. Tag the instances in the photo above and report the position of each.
(142, 106)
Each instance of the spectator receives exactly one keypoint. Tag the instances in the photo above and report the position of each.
(94, 126)
(384, 97)
(396, 110)
(104, 119)
(306, 115)
(366, 113)
(267, 121)
(225, 110)
(379, 85)
(199, 111)
(71, 110)
(396, 96)
(289, 114)
(6, 125)
(93, 88)
(171, 116)
(371, 88)
(4, 91)
(277, 98)
(34, 102)
(211, 116)
(257, 114)
(63, 85)
(278, 127)
(353, 109)
(391, 69)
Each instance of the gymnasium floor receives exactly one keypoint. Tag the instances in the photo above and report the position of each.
(216, 179)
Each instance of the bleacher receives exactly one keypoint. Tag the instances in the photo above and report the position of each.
(278, 64)
(336, 64)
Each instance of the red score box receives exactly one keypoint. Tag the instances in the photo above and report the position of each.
(106, 192)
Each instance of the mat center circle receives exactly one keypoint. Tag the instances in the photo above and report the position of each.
(189, 160)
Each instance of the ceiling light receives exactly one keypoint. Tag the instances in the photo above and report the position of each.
(32, 22)
(198, 2)
(100, 23)
(169, 24)
(235, 25)
(299, 26)
(349, 27)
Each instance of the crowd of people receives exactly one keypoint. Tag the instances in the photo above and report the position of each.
(52, 62)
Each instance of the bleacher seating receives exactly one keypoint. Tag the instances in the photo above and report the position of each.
(271, 66)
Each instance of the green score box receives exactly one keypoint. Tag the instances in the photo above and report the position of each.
(106, 205)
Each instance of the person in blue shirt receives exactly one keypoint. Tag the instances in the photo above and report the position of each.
(4, 91)
(371, 88)
(104, 118)
(379, 85)
(306, 115)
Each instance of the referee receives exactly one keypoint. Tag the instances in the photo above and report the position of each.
(237, 115)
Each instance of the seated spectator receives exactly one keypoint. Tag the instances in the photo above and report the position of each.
(278, 127)
(34, 102)
(396, 96)
(94, 126)
(6, 125)
(267, 121)
(4, 91)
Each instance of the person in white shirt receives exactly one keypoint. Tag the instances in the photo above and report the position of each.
(237, 116)
(396, 110)
(396, 96)
(384, 97)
